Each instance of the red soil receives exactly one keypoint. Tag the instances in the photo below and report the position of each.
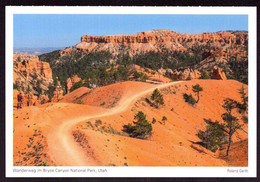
(66, 132)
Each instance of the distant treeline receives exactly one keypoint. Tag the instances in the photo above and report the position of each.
(93, 67)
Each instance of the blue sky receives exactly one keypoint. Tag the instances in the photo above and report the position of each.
(48, 30)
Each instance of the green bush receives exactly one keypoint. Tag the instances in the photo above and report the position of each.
(213, 138)
(79, 101)
(98, 122)
(245, 119)
(141, 127)
(38, 87)
(50, 91)
(239, 70)
(164, 118)
(77, 85)
(243, 106)
(43, 101)
(189, 99)
(15, 86)
(140, 76)
(204, 75)
(157, 97)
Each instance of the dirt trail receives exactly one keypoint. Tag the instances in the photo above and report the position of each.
(64, 151)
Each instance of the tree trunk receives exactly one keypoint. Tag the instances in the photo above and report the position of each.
(198, 97)
(229, 143)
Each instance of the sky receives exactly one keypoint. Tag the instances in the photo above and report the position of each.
(47, 30)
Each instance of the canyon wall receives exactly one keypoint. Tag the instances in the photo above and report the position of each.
(157, 41)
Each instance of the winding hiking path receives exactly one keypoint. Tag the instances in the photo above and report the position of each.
(64, 151)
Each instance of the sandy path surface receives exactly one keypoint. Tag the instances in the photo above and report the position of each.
(64, 151)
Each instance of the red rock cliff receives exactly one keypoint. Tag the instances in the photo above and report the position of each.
(156, 41)
(157, 36)
(32, 78)
(29, 64)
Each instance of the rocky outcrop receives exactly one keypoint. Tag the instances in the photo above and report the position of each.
(187, 74)
(156, 41)
(218, 74)
(65, 51)
(221, 56)
(30, 65)
(29, 73)
(31, 79)
(156, 36)
(57, 94)
(21, 100)
(71, 81)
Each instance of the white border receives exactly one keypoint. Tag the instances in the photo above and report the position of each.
(136, 171)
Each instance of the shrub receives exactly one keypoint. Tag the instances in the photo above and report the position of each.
(188, 78)
(189, 99)
(239, 70)
(90, 124)
(140, 76)
(213, 137)
(164, 118)
(157, 97)
(98, 122)
(153, 121)
(113, 131)
(243, 107)
(43, 101)
(77, 85)
(15, 86)
(50, 91)
(79, 101)
(38, 87)
(245, 119)
(204, 75)
(141, 127)
(19, 59)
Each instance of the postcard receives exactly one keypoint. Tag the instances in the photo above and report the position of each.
(130, 91)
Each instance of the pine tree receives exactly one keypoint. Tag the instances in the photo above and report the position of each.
(244, 105)
(197, 89)
(157, 97)
(141, 127)
(213, 137)
(231, 124)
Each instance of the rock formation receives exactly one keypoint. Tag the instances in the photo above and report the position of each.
(218, 74)
(187, 74)
(30, 65)
(28, 70)
(156, 36)
(156, 41)
(21, 100)
(31, 79)
(57, 94)
(71, 81)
